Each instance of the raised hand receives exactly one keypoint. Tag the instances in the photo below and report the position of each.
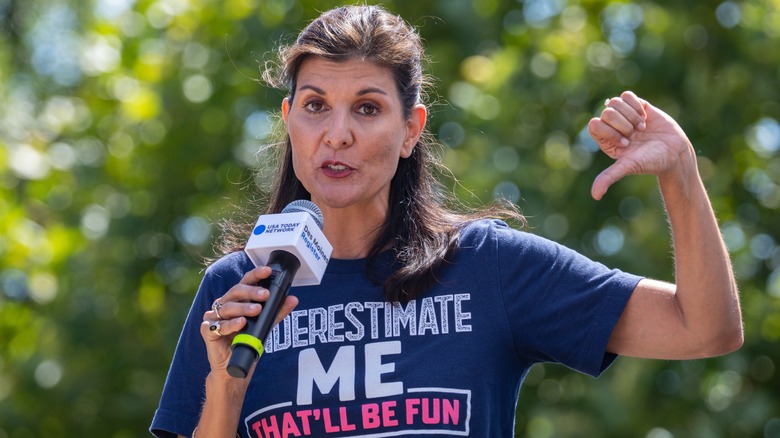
(641, 138)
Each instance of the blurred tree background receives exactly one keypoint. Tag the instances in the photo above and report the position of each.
(128, 128)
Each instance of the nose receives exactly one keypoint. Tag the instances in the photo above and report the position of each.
(339, 130)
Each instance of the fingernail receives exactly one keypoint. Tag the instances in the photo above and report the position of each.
(606, 102)
(624, 141)
(641, 126)
(254, 306)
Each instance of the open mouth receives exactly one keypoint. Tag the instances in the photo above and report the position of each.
(336, 169)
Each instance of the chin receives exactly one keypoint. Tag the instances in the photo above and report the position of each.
(330, 202)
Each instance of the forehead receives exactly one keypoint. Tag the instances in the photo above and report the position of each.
(353, 73)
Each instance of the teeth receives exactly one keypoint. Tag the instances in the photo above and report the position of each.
(338, 167)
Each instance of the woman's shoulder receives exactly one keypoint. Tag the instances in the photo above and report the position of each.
(487, 229)
(498, 233)
(480, 235)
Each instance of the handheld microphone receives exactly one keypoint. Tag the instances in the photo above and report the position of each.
(293, 246)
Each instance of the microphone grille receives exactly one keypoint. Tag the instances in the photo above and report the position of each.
(303, 205)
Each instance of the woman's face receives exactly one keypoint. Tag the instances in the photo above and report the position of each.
(347, 131)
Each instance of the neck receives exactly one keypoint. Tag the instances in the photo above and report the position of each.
(352, 236)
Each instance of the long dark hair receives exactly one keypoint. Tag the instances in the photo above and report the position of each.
(422, 226)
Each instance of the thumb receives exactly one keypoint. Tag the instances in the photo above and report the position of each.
(606, 178)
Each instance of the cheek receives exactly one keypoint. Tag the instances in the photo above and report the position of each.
(299, 130)
(390, 153)
(302, 171)
(389, 143)
(300, 145)
(384, 161)
(297, 154)
(297, 164)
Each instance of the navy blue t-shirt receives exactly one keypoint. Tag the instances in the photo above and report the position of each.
(347, 363)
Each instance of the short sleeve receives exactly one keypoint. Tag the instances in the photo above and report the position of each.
(562, 305)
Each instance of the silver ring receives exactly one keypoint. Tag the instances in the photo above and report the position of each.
(214, 327)
(215, 307)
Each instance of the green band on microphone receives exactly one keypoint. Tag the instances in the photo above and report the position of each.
(250, 341)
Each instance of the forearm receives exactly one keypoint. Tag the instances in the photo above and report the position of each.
(222, 408)
(706, 293)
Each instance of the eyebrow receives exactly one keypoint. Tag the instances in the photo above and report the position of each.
(361, 92)
(370, 90)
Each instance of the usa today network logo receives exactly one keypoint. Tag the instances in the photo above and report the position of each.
(276, 228)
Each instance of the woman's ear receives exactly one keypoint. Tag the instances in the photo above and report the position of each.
(285, 109)
(415, 125)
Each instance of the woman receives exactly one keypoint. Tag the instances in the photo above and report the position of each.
(426, 320)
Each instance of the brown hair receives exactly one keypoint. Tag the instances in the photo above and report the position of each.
(420, 227)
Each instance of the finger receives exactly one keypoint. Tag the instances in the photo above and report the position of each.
(606, 135)
(247, 288)
(630, 105)
(606, 179)
(255, 275)
(244, 292)
(236, 309)
(208, 331)
(636, 104)
(214, 330)
(215, 327)
(621, 116)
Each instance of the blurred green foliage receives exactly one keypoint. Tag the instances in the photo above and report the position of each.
(129, 127)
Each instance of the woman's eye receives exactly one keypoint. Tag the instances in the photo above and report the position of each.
(314, 106)
(368, 109)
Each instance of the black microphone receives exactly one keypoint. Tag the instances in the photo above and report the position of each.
(289, 243)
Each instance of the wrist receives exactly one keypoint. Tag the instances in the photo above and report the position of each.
(221, 384)
(682, 175)
(222, 408)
